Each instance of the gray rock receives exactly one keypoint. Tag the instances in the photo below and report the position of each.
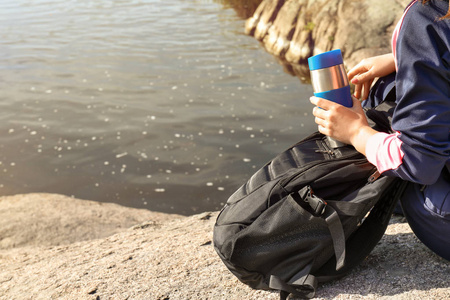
(50, 220)
(173, 258)
(294, 30)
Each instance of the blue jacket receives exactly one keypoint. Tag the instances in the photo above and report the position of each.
(422, 115)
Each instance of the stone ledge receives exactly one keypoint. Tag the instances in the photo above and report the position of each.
(294, 30)
(176, 260)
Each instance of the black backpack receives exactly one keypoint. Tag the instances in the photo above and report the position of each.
(309, 215)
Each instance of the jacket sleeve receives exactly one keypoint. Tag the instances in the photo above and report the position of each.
(422, 115)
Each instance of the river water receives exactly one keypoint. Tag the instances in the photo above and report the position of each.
(165, 105)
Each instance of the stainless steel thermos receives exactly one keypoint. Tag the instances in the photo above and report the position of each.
(328, 77)
(330, 81)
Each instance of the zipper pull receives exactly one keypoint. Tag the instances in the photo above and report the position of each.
(329, 152)
(374, 176)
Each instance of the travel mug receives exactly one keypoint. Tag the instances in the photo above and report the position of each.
(330, 81)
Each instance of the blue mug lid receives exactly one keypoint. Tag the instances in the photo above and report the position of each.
(325, 60)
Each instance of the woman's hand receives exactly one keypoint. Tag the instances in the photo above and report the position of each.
(348, 125)
(363, 74)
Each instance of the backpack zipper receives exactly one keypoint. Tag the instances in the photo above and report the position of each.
(374, 177)
(315, 164)
(327, 150)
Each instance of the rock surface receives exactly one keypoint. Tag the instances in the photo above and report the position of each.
(172, 257)
(294, 30)
(50, 220)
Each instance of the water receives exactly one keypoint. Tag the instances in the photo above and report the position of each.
(164, 105)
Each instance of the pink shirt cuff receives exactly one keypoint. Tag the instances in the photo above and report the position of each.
(384, 151)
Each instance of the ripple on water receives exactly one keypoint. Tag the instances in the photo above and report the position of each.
(163, 105)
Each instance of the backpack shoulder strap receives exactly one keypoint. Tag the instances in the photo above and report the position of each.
(362, 242)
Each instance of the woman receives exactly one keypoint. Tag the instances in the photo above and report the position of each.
(419, 151)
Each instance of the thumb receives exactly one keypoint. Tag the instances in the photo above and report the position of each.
(356, 103)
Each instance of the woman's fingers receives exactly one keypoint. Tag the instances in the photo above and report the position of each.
(358, 89)
(314, 100)
(356, 102)
(362, 90)
(322, 103)
(359, 68)
(320, 122)
(366, 89)
(319, 112)
(322, 114)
